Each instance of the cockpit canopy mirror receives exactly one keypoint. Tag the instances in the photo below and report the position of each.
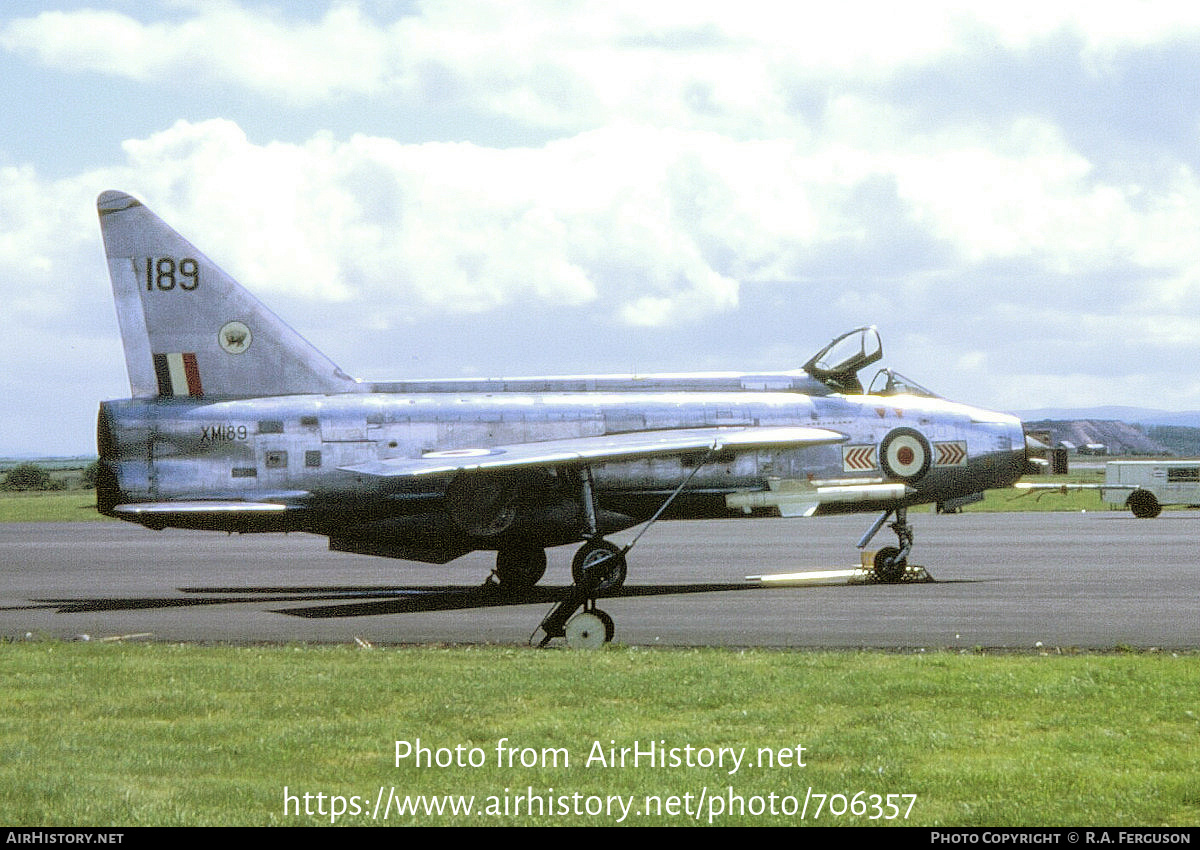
(837, 364)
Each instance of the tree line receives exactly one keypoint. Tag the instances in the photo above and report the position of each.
(29, 476)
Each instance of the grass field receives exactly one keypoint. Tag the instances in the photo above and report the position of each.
(72, 502)
(52, 506)
(1069, 500)
(124, 735)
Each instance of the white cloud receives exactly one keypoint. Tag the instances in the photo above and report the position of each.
(221, 42)
(567, 65)
(652, 226)
(418, 229)
(693, 165)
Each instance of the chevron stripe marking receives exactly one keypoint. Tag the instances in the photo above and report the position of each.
(858, 458)
(950, 454)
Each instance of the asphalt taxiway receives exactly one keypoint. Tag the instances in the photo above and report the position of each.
(1096, 580)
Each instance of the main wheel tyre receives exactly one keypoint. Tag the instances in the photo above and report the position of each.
(599, 565)
(585, 631)
(520, 567)
(889, 566)
(1144, 505)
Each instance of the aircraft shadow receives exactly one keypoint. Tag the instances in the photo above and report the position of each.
(489, 596)
(360, 601)
(79, 606)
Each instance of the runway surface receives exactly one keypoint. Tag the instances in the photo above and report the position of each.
(1094, 580)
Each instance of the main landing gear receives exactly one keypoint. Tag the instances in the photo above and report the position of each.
(598, 567)
(891, 562)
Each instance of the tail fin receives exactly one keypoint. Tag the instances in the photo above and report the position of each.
(189, 328)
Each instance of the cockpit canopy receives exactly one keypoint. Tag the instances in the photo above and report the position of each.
(837, 365)
(890, 382)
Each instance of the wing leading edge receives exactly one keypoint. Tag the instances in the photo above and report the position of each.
(603, 449)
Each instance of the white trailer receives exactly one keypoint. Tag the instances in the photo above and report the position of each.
(1144, 486)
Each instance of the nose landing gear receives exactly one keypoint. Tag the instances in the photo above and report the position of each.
(890, 564)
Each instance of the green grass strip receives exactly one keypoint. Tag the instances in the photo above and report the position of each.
(54, 506)
(125, 735)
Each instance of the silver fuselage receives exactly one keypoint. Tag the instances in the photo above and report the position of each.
(296, 450)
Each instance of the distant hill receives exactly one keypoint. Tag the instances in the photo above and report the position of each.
(1122, 438)
(1135, 415)
(1183, 440)
(1125, 430)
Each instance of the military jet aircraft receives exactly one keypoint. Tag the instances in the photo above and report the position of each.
(239, 424)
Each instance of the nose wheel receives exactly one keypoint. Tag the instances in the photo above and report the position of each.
(891, 562)
(889, 565)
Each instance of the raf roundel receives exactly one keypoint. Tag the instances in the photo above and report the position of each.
(905, 454)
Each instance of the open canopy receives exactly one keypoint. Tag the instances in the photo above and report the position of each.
(837, 365)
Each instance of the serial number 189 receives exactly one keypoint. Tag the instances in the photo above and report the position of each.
(164, 273)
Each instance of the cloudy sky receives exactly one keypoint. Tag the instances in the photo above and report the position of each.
(441, 189)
